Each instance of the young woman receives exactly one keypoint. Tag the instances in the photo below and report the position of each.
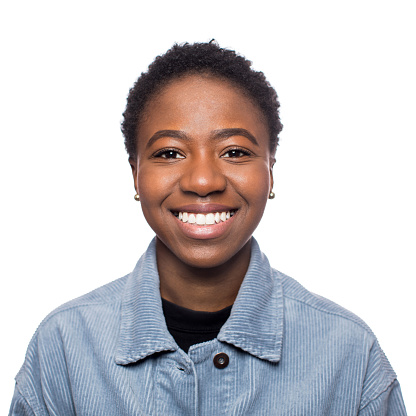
(204, 325)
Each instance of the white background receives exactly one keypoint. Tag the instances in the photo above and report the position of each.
(343, 221)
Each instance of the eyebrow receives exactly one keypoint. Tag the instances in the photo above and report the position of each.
(175, 134)
(226, 133)
(219, 134)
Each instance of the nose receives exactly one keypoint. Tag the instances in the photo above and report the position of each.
(203, 177)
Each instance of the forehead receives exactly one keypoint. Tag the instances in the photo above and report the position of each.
(198, 104)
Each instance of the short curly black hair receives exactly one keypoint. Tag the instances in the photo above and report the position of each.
(209, 58)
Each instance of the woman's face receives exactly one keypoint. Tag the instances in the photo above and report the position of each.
(203, 170)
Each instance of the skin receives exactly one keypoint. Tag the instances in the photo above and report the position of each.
(188, 154)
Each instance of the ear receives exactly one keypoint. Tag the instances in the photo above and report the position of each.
(271, 164)
(134, 164)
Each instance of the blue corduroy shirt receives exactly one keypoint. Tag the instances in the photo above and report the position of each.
(288, 352)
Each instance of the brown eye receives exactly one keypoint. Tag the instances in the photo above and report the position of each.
(236, 153)
(169, 154)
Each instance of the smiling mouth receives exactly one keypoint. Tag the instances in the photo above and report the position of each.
(209, 218)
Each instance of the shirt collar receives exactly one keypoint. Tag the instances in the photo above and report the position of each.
(143, 329)
(255, 324)
(256, 321)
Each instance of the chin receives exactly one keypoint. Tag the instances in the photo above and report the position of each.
(208, 255)
(204, 257)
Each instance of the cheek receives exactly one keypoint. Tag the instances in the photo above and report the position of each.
(253, 184)
(155, 186)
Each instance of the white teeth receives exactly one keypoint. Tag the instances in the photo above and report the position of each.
(200, 219)
(205, 219)
(209, 219)
(191, 219)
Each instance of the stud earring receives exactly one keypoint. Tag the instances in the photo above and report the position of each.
(137, 197)
(272, 195)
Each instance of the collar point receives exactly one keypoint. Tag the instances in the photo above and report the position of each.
(271, 353)
(123, 358)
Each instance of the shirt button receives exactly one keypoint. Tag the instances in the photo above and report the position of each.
(221, 360)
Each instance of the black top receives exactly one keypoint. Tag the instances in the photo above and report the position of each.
(189, 327)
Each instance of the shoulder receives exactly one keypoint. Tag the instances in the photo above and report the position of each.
(86, 314)
(66, 337)
(318, 306)
(324, 326)
(104, 297)
(83, 316)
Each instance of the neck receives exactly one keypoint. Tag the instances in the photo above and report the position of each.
(201, 289)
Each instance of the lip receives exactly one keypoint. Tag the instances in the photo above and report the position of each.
(203, 208)
(205, 232)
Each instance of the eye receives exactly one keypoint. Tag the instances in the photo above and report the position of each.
(169, 154)
(236, 153)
